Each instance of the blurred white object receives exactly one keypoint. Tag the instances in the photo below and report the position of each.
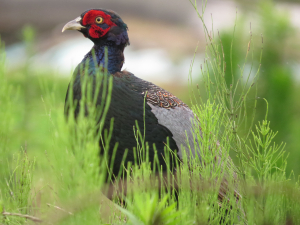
(150, 64)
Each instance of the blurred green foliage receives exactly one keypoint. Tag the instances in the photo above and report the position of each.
(276, 83)
(276, 73)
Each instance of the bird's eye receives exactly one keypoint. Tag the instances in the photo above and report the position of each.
(99, 20)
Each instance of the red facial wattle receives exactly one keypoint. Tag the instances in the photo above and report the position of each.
(95, 30)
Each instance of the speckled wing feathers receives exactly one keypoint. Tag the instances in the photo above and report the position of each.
(161, 98)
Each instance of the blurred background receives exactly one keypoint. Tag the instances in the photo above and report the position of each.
(163, 37)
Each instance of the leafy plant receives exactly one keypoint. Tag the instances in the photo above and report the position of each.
(149, 209)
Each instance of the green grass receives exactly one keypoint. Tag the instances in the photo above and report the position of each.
(51, 171)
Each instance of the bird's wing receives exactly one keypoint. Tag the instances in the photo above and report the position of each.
(170, 112)
(179, 120)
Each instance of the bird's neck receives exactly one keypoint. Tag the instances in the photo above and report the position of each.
(114, 60)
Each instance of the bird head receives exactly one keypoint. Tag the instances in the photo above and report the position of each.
(100, 26)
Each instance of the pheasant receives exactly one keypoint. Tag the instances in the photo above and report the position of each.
(163, 117)
(166, 116)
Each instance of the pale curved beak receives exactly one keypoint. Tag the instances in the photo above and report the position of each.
(73, 25)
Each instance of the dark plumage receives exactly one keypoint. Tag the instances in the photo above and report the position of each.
(166, 117)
